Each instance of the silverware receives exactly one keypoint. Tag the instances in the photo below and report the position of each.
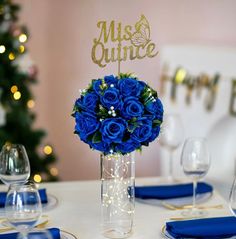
(183, 218)
(175, 207)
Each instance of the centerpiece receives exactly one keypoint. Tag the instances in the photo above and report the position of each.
(117, 115)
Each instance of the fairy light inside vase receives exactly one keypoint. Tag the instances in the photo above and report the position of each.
(117, 192)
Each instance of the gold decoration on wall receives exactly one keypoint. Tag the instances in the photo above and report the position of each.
(233, 98)
(212, 91)
(192, 83)
(117, 42)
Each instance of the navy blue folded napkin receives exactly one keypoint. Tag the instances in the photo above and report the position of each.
(42, 194)
(218, 227)
(55, 233)
(170, 191)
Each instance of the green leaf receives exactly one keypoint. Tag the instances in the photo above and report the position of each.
(97, 137)
(157, 122)
(126, 75)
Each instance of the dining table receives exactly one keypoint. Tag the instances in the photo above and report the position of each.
(76, 209)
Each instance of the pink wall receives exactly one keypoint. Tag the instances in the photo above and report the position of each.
(62, 33)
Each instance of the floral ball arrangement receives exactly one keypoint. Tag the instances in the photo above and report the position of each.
(118, 115)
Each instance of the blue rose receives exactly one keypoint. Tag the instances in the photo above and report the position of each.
(101, 146)
(111, 80)
(149, 116)
(132, 107)
(89, 102)
(155, 107)
(111, 97)
(86, 124)
(130, 87)
(113, 130)
(155, 133)
(143, 132)
(96, 85)
(127, 146)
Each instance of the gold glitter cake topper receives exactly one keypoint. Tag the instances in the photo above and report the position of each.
(130, 42)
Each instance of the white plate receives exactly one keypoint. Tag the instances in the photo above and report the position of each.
(51, 204)
(165, 234)
(64, 234)
(176, 202)
(67, 235)
(4, 224)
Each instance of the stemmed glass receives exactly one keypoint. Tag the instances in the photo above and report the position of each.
(23, 207)
(14, 164)
(232, 198)
(195, 160)
(171, 137)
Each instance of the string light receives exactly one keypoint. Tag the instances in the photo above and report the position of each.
(11, 56)
(17, 95)
(22, 38)
(54, 171)
(14, 89)
(21, 49)
(30, 104)
(2, 49)
(47, 150)
(37, 178)
(116, 197)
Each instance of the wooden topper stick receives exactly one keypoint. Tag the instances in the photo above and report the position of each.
(119, 57)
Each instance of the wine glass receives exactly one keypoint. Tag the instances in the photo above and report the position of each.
(23, 207)
(195, 160)
(14, 164)
(232, 198)
(171, 137)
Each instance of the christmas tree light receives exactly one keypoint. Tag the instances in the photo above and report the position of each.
(2, 49)
(16, 98)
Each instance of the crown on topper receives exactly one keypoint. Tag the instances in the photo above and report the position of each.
(133, 42)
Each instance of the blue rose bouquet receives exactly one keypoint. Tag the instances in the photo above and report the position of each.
(118, 115)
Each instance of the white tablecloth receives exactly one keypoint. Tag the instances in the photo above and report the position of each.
(78, 210)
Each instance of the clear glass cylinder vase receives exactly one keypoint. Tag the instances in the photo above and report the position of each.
(117, 194)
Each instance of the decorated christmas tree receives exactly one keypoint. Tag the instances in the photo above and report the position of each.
(16, 99)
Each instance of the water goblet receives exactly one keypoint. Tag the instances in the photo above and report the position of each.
(232, 198)
(195, 160)
(23, 207)
(171, 137)
(14, 164)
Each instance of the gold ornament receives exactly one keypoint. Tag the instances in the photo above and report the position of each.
(233, 98)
